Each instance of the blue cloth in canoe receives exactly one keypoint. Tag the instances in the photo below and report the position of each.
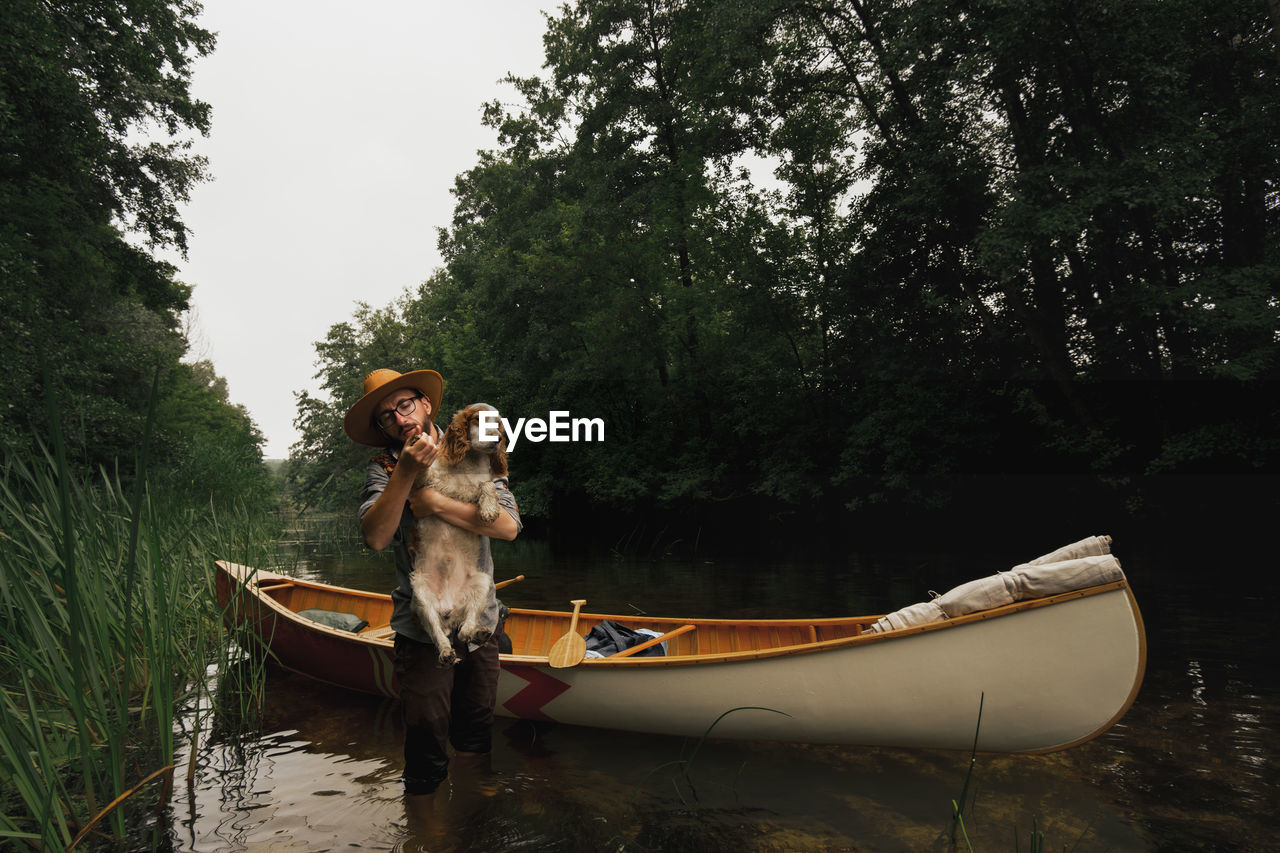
(334, 619)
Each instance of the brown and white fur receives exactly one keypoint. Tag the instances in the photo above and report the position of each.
(449, 593)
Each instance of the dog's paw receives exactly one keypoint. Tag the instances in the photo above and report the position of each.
(448, 657)
(476, 634)
(488, 504)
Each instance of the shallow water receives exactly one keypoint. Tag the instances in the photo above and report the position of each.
(1190, 767)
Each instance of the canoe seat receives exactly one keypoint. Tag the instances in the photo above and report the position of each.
(378, 633)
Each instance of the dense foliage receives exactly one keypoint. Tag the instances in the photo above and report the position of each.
(95, 109)
(848, 253)
(109, 628)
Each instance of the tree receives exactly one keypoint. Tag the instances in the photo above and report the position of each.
(1069, 196)
(85, 92)
(207, 448)
(998, 238)
(326, 469)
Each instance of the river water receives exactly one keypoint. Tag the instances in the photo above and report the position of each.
(1190, 767)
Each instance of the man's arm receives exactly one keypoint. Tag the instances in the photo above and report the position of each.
(379, 524)
(461, 514)
(381, 520)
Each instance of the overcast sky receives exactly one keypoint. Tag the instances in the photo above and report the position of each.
(338, 129)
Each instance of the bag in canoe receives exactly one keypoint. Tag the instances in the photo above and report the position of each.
(609, 637)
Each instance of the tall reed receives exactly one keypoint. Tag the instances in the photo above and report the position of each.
(108, 627)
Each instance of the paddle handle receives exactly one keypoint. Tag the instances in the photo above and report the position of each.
(508, 582)
(573, 620)
(683, 629)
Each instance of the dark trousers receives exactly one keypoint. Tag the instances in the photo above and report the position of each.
(443, 705)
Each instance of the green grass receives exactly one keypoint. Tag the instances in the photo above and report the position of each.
(108, 629)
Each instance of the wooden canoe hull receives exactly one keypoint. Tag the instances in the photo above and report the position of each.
(1048, 674)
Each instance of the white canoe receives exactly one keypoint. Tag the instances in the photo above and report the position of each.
(1049, 673)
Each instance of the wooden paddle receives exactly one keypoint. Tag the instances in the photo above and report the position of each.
(569, 649)
(683, 629)
(508, 582)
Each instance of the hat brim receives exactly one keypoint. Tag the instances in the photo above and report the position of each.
(359, 425)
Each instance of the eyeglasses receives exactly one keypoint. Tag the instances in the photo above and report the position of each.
(404, 408)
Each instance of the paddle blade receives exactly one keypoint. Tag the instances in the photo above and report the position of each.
(568, 651)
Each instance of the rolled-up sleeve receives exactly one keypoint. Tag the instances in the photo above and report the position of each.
(508, 501)
(375, 483)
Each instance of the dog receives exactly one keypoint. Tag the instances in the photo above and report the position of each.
(449, 594)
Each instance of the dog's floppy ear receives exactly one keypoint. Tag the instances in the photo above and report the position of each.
(456, 438)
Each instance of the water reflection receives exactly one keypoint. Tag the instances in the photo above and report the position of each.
(1191, 767)
(322, 774)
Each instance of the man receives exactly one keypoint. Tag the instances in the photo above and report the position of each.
(441, 704)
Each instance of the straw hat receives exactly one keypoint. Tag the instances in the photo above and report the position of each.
(379, 383)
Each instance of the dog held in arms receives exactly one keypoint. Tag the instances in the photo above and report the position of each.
(449, 593)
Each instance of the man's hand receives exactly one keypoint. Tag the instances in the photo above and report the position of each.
(418, 453)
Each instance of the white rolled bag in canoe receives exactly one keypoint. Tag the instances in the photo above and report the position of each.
(1080, 565)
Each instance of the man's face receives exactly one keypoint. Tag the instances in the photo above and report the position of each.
(396, 425)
